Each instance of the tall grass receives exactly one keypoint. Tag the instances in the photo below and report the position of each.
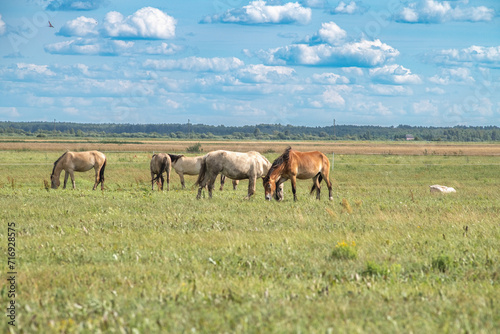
(386, 256)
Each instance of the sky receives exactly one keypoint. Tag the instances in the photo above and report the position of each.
(232, 62)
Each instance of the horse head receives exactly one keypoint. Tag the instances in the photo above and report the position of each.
(54, 181)
(269, 188)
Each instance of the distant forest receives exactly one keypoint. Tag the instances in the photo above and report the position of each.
(250, 132)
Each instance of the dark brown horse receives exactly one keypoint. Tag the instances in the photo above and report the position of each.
(295, 165)
(160, 163)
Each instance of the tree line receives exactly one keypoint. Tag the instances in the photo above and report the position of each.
(260, 131)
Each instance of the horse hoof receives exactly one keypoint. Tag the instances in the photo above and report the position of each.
(331, 198)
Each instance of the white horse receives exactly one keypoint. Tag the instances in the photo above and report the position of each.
(234, 165)
(191, 166)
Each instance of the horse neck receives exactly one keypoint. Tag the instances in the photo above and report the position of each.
(58, 168)
(276, 172)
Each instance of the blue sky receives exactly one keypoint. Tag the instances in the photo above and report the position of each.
(231, 62)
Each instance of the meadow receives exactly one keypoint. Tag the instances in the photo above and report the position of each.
(385, 256)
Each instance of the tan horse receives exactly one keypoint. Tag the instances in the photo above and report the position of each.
(295, 165)
(159, 164)
(191, 166)
(72, 162)
(234, 165)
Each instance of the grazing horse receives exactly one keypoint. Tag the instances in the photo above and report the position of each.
(295, 165)
(234, 165)
(72, 162)
(160, 163)
(191, 166)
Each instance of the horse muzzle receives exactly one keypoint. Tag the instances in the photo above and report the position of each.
(268, 197)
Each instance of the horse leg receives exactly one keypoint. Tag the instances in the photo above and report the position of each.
(181, 175)
(328, 184)
(201, 186)
(72, 174)
(251, 186)
(278, 193)
(293, 179)
(162, 181)
(66, 174)
(210, 186)
(317, 184)
(222, 181)
(97, 178)
(168, 180)
(235, 184)
(199, 192)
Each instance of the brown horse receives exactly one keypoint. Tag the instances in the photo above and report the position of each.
(160, 163)
(72, 162)
(295, 165)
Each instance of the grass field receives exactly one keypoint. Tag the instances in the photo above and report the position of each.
(386, 256)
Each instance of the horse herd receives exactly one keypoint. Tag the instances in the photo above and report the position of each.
(291, 165)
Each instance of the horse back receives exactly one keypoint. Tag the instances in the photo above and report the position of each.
(236, 165)
(308, 164)
(188, 165)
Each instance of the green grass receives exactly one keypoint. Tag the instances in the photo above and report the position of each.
(385, 256)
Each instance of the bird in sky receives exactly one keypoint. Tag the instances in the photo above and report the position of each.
(50, 25)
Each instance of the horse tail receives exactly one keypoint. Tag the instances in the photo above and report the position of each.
(101, 172)
(314, 187)
(203, 171)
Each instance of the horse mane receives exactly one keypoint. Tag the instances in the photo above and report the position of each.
(175, 157)
(57, 161)
(280, 162)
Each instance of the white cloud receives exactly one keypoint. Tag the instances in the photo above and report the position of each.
(435, 90)
(171, 103)
(330, 98)
(358, 54)
(28, 70)
(258, 12)
(81, 27)
(394, 74)
(197, 64)
(163, 49)
(3, 26)
(329, 78)
(343, 8)
(147, 22)
(83, 46)
(329, 33)
(449, 76)
(426, 107)
(371, 108)
(432, 11)
(9, 112)
(391, 90)
(476, 54)
(79, 5)
(262, 73)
